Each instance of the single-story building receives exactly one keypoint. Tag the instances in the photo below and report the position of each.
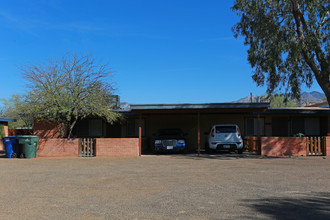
(254, 119)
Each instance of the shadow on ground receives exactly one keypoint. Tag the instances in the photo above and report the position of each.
(2, 154)
(217, 156)
(295, 206)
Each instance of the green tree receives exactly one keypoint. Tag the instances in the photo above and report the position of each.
(288, 41)
(67, 89)
(279, 100)
(15, 107)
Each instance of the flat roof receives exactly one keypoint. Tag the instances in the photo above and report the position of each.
(298, 110)
(229, 105)
(7, 120)
(200, 107)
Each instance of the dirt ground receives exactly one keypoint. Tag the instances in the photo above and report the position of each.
(222, 186)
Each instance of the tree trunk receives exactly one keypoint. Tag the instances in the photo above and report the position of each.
(71, 127)
(327, 94)
(323, 80)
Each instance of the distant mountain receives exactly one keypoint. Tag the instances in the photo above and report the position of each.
(307, 98)
(246, 99)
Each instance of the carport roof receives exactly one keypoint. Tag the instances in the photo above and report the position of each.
(202, 107)
(7, 120)
(298, 110)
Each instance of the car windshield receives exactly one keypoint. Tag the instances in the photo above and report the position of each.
(170, 132)
(225, 129)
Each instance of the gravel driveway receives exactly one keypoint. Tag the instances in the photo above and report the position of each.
(222, 186)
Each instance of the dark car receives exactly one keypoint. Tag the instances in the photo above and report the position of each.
(169, 140)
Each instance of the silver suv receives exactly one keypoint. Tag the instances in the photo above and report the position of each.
(225, 137)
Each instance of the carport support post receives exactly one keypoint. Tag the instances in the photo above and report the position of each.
(140, 133)
(198, 134)
(258, 124)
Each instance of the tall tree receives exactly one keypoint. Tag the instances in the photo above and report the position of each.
(288, 41)
(68, 89)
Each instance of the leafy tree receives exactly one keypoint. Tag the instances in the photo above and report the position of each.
(68, 89)
(15, 107)
(288, 41)
(279, 100)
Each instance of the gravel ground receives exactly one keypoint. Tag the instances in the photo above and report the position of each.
(222, 186)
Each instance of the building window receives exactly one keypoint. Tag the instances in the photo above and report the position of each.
(89, 128)
(280, 126)
(133, 127)
(251, 126)
(297, 126)
(95, 127)
(312, 126)
(306, 126)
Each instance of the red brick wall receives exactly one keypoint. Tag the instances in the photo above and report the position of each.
(58, 148)
(283, 146)
(117, 147)
(1, 145)
(327, 145)
(45, 129)
(14, 132)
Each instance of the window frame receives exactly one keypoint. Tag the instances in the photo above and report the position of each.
(136, 127)
(255, 126)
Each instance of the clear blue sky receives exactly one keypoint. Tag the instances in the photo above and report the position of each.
(161, 51)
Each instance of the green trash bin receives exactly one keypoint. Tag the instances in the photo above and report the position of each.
(29, 145)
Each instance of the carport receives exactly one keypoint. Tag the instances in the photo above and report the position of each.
(196, 118)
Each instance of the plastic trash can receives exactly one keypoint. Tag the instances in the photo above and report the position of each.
(11, 146)
(29, 145)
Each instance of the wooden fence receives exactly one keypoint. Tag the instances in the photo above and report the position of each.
(87, 147)
(315, 146)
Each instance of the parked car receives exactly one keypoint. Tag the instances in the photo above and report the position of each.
(169, 140)
(225, 137)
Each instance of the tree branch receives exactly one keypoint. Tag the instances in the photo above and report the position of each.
(323, 22)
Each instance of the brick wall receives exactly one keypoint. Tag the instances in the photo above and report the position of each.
(117, 147)
(45, 129)
(58, 148)
(283, 146)
(327, 145)
(14, 132)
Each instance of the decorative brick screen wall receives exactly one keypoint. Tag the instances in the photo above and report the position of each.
(117, 147)
(58, 148)
(283, 146)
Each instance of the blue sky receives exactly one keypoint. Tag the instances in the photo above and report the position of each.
(161, 51)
